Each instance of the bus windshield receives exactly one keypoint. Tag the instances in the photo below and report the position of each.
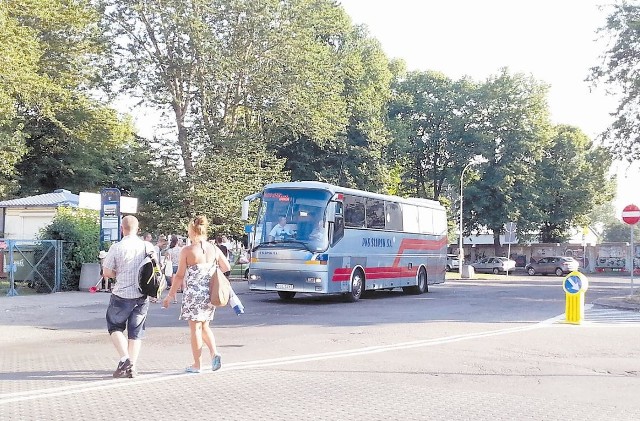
(293, 218)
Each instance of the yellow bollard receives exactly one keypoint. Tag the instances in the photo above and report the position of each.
(574, 285)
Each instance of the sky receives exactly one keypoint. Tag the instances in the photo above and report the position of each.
(555, 41)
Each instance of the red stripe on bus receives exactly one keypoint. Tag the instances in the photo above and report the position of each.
(344, 274)
(395, 271)
(415, 244)
(384, 272)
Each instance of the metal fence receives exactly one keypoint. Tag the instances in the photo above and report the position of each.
(35, 262)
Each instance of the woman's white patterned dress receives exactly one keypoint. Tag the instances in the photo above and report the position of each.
(196, 304)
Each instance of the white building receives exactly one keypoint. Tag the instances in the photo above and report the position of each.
(22, 219)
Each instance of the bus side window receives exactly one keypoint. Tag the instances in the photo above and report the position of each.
(375, 213)
(354, 211)
(393, 220)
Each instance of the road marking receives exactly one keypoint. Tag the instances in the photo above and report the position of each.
(152, 378)
(609, 317)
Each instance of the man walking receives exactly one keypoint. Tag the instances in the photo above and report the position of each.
(128, 307)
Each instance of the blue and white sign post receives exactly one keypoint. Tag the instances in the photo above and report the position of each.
(575, 285)
(109, 216)
(509, 238)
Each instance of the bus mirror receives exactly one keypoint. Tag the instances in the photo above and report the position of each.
(331, 211)
(245, 210)
(245, 205)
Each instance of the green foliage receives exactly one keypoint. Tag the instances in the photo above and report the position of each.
(257, 91)
(619, 70)
(571, 179)
(620, 232)
(433, 120)
(354, 154)
(601, 216)
(221, 182)
(79, 229)
(79, 159)
(51, 133)
(514, 119)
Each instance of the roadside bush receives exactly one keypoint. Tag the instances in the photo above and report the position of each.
(79, 229)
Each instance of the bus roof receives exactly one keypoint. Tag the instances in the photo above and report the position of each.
(337, 189)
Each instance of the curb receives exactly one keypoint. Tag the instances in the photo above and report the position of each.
(620, 303)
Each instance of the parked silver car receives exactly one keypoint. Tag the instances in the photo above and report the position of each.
(553, 264)
(494, 265)
(453, 263)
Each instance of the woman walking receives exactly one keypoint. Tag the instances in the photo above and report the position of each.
(196, 263)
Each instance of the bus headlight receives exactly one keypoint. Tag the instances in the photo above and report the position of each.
(253, 277)
(314, 280)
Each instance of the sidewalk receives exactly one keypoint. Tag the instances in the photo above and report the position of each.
(627, 302)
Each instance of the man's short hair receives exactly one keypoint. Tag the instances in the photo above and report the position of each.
(130, 223)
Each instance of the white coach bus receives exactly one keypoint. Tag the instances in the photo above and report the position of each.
(314, 237)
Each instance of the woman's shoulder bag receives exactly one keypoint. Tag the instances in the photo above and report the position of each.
(219, 288)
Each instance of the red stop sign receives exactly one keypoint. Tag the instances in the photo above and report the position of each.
(631, 214)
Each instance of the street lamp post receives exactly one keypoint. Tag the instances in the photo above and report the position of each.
(476, 160)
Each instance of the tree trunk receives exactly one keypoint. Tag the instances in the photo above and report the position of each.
(497, 247)
(183, 139)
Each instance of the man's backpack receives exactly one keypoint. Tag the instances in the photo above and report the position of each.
(150, 277)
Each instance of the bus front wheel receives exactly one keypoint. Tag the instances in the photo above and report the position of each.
(286, 295)
(422, 284)
(357, 286)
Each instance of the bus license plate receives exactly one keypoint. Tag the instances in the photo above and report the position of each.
(284, 286)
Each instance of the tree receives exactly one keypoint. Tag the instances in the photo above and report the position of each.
(77, 153)
(601, 216)
(435, 128)
(513, 115)
(571, 180)
(619, 232)
(52, 133)
(293, 75)
(44, 50)
(619, 69)
(225, 182)
(154, 60)
(353, 156)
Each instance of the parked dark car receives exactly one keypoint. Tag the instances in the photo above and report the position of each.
(558, 265)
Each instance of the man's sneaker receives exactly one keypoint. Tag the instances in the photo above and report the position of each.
(123, 366)
(216, 363)
(132, 372)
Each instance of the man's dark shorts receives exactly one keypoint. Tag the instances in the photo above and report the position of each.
(127, 313)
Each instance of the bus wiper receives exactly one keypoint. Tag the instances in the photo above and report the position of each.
(298, 242)
(263, 243)
(306, 247)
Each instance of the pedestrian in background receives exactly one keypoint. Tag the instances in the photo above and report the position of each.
(220, 243)
(196, 264)
(105, 282)
(128, 307)
(175, 245)
(160, 248)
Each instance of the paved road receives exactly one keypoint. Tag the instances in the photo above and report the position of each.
(470, 349)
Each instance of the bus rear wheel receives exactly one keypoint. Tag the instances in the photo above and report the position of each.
(422, 284)
(286, 295)
(357, 286)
